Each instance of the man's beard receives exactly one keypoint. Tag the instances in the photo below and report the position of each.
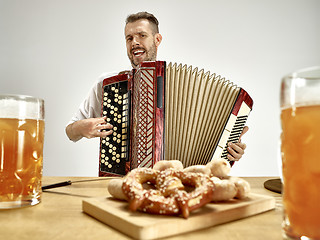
(151, 55)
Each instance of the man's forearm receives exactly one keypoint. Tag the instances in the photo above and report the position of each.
(71, 132)
(89, 128)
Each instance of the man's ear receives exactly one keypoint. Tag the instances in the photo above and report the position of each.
(158, 39)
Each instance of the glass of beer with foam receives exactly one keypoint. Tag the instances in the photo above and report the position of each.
(300, 145)
(21, 150)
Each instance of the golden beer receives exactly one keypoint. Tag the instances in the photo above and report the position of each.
(21, 157)
(300, 142)
(301, 170)
(21, 150)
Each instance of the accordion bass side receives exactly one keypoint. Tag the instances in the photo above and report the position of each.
(169, 112)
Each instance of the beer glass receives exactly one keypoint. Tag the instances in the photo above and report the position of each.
(21, 150)
(300, 144)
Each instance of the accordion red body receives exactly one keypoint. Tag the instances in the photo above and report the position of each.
(169, 112)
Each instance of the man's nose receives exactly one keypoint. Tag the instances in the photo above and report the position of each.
(135, 41)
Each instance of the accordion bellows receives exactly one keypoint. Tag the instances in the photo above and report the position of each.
(170, 112)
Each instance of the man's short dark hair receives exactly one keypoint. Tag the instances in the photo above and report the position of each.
(144, 15)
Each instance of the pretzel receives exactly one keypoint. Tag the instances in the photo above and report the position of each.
(165, 164)
(219, 167)
(169, 196)
(243, 187)
(229, 188)
(115, 188)
(226, 188)
(198, 169)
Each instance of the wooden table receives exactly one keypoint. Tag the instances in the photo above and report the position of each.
(60, 216)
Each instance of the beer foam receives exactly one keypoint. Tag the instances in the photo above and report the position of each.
(21, 107)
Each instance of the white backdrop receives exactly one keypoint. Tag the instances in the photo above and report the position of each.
(57, 49)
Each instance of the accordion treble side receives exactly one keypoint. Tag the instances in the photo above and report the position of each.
(169, 112)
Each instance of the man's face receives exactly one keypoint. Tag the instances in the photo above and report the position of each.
(141, 43)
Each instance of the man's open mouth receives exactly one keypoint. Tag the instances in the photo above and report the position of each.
(138, 53)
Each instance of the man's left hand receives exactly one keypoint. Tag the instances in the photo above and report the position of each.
(236, 150)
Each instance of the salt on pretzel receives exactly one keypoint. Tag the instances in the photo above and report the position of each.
(158, 190)
(169, 197)
(115, 185)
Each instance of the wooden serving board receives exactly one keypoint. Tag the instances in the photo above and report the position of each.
(139, 225)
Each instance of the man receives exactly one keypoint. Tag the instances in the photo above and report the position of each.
(142, 42)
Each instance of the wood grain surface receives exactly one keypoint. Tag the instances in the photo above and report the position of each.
(138, 225)
(59, 216)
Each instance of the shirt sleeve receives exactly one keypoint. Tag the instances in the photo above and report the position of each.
(91, 105)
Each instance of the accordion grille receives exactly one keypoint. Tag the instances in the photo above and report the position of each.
(198, 106)
(143, 119)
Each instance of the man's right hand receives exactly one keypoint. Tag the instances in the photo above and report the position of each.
(89, 128)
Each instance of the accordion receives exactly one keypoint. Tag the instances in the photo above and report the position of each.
(172, 112)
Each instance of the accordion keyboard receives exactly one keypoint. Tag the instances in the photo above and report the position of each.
(235, 133)
(114, 149)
